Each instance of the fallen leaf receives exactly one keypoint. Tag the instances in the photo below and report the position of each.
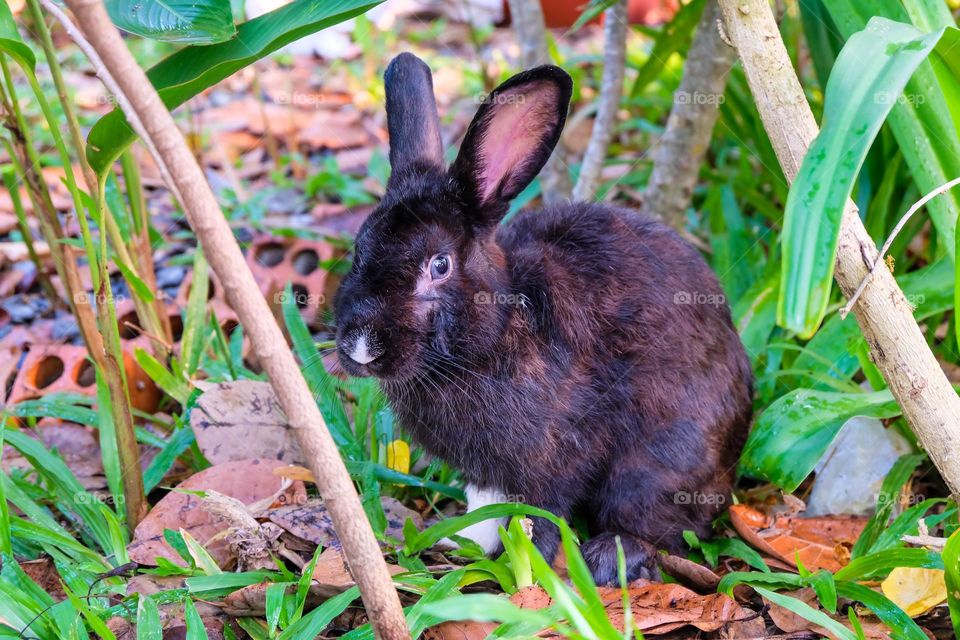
(398, 456)
(234, 420)
(248, 480)
(311, 521)
(914, 589)
(821, 543)
(331, 576)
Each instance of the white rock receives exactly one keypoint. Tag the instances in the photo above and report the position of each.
(851, 472)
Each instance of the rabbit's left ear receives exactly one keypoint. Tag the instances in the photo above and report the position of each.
(511, 138)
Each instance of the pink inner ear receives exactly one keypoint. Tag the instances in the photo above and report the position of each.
(521, 119)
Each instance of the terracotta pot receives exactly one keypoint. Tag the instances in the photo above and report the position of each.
(65, 368)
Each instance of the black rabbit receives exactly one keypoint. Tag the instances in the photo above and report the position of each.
(580, 358)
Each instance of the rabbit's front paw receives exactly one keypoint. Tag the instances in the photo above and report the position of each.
(600, 554)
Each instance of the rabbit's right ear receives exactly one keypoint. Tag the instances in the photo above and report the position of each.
(412, 119)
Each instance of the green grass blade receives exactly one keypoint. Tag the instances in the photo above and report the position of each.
(148, 620)
(889, 613)
(898, 476)
(807, 612)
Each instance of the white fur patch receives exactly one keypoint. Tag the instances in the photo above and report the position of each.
(361, 351)
(486, 533)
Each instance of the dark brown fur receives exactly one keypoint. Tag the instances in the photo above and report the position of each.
(580, 358)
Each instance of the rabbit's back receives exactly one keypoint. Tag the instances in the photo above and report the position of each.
(627, 299)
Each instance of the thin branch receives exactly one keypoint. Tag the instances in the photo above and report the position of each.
(893, 234)
(611, 90)
(143, 107)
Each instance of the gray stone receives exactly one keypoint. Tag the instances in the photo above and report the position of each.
(851, 472)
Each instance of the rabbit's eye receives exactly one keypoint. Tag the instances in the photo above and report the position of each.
(440, 266)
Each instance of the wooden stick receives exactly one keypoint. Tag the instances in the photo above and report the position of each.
(360, 546)
(897, 345)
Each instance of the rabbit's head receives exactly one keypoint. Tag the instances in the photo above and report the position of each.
(426, 265)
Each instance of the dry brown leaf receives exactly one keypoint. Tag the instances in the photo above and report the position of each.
(310, 521)
(661, 608)
(331, 576)
(334, 130)
(246, 480)
(234, 420)
(821, 543)
(657, 609)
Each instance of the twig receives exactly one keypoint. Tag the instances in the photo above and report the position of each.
(143, 107)
(678, 155)
(897, 345)
(926, 541)
(893, 234)
(611, 90)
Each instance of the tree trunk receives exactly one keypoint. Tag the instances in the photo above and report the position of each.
(679, 154)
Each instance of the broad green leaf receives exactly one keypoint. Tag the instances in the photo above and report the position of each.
(867, 81)
(832, 352)
(10, 41)
(183, 21)
(926, 123)
(194, 68)
(794, 432)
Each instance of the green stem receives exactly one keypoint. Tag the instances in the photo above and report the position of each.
(73, 123)
(115, 375)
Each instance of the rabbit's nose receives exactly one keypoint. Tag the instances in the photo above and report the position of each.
(365, 347)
